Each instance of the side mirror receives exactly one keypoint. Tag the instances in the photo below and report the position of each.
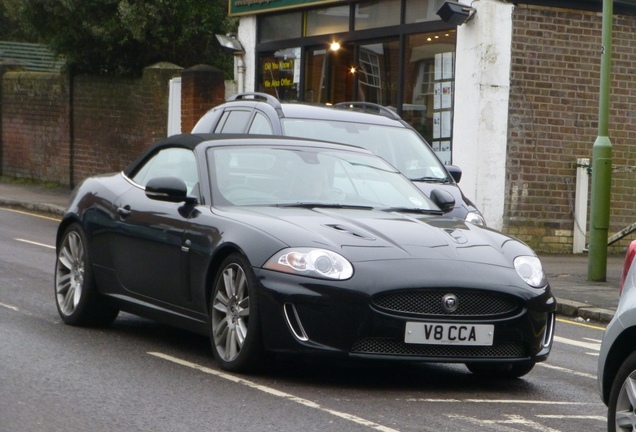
(170, 189)
(444, 200)
(455, 172)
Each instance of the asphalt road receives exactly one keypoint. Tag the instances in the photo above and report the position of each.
(141, 376)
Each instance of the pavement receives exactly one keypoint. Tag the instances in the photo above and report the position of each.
(577, 297)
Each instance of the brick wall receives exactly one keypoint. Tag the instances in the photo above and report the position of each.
(105, 125)
(553, 120)
(202, 87)
(35, 126)
(115, 119)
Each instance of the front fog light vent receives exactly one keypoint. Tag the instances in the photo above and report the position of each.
(293, 321)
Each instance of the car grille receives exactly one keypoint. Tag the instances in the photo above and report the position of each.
(429, 302)
(384, 346)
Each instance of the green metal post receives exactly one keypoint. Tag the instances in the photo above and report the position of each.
(602, 161)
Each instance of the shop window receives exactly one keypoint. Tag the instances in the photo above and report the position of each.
(377, 74)
(280, 73)
(280, 27)
(429, 87)
(377, 13)
(328, 20)
(316, 75)
(422, 10)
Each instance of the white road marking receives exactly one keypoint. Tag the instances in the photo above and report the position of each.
(570, 371)
(498, 401)
(35, 243)
(13, 308)
(506, 425)
(574, 417)
(592, 340)
(586, 345)
(274, 392)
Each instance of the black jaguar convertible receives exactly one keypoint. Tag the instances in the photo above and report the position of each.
(281, 245)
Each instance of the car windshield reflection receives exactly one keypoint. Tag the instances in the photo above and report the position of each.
(247, 176)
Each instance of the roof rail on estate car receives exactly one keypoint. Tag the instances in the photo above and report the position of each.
(262, 97)
(370, 107)
(271, 100)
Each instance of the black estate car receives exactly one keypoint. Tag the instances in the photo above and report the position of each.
(363, 124)
(286, 245)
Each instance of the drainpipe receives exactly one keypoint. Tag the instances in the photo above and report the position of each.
(240, 66)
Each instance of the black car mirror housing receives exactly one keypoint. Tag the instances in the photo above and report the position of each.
(170, 189)
(455, 172)
(444, 200)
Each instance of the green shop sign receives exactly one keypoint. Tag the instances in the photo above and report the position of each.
(245, 7)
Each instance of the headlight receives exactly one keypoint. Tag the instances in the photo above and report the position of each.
(319, 263)
(476, 218)
(529, 268)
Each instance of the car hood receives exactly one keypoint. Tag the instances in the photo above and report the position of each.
(367, 235)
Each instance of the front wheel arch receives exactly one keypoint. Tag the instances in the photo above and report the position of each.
(77, 298)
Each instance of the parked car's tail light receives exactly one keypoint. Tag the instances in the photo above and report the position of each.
(311, 262)
(629, 260)
(529, 268)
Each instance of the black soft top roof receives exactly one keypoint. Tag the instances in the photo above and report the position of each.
(191, 141)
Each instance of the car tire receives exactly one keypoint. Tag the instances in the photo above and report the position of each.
(620, 409)
(500, 370)
(235, 331)
(76, 297)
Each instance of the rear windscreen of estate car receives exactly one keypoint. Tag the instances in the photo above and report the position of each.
(401, 147)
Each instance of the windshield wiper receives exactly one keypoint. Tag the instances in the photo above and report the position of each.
(411, 210)
(432, 179)
(324, 205)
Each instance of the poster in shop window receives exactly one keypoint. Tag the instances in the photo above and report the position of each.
(443, 105)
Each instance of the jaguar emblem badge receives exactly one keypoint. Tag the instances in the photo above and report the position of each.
(450, 303)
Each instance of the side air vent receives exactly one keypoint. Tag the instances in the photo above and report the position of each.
(346, 230)
(293, 321)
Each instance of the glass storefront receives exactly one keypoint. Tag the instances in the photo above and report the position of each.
(396, 53)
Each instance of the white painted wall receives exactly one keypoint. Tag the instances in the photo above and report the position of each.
(247, 38)
(174, 106)
(482, 88)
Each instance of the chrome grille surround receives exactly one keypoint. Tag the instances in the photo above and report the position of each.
(428, 302)
(393, 347)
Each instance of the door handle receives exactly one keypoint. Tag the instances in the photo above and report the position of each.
(124, 212)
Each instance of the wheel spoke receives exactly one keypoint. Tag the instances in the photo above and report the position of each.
(231, 346)
(241, 286)
(220, 303)
(625, 419)
(221, 330)
(69, 298)
(228, 282)
(63, 282)
(630, 389)
(65, 259)
(241, 333)
(75, 245)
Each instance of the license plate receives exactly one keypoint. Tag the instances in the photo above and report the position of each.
(449, 334)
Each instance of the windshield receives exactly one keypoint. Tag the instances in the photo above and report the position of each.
(257, 175)
(401, 147)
